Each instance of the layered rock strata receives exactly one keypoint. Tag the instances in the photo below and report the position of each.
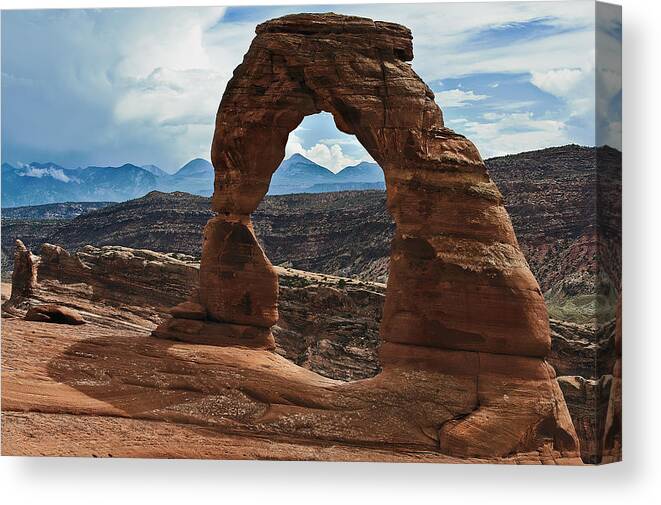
(463, 313)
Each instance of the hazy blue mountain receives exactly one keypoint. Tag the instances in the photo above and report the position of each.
(301, 175)
(296, 174)
(195, 177)
(41, 183)
(195, 168)
(157, 171)
(46, 183)
(299, 167)
(37, 183)
(363, 172)
(115, 184)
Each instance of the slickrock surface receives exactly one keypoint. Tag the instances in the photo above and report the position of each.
(118, 392)
(108, 388)
(330, 325)
(326, 324)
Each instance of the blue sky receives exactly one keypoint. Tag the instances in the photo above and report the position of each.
(105, 87)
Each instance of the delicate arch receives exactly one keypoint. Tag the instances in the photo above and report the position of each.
(465, 326)
(458, 279)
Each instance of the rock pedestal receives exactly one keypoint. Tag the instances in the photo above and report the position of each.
(459, 290)
(236, 303)
(24, 275)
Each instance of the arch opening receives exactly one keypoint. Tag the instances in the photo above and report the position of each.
(325, 227)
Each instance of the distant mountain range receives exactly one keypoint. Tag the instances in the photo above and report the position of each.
(549, 194)
(45, 183)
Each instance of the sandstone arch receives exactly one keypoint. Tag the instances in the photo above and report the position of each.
(461, 299)
(458, 279)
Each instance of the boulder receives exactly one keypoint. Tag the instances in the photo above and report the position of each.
(54, 314)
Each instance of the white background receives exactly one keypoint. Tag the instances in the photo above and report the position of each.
(636, 480)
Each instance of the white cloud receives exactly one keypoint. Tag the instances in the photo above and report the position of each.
(171, 97)
(124, 85)
(558, 82)
(457, 98)
(171, 81)
(446, 53)
(346, 142)
(55, 173)
(573, 85)
(516, 132)
(329, 155)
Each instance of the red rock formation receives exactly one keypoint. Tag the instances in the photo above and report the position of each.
(455, 252)
(612, 442)
(231, 252)
(24, 275)
(461, 300)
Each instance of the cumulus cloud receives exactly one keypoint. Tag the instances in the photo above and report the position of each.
(456, 49)
(558, 82)
(573, 85)
(457, 98)
(329, 155)
(114, 85)
(170, 97)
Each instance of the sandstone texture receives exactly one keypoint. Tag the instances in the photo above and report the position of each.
(345, 233)
(329, 325)
(453, 243)
(326, 324)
